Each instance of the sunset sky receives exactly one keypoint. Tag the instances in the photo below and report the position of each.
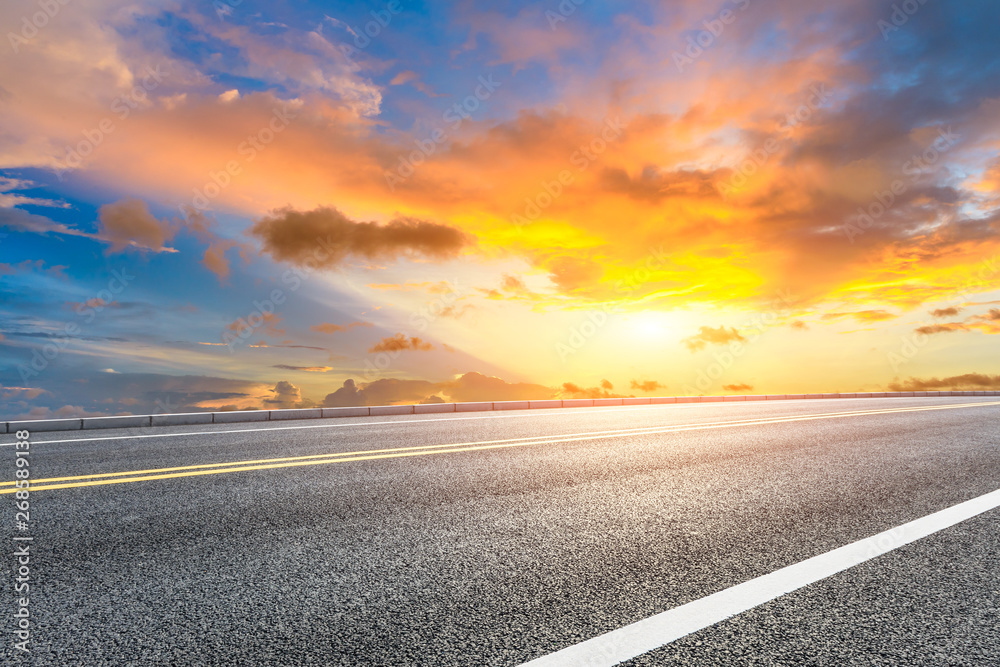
(257, 204)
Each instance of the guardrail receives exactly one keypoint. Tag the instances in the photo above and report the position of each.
(237, 416)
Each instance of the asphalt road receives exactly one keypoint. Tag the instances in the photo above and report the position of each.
(529, 532)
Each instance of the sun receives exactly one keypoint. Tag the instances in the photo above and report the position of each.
(650, 325)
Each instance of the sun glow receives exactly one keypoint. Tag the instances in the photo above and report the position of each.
(650, 325)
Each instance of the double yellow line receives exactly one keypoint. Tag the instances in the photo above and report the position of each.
(129, 476)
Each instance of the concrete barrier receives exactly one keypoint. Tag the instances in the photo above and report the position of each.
(136, 421)
(182, 419)
(382, 410)
(433, 408)
(345, 412)
(237, 416)
(304, 413)
(45, 425)
(636, 401)
(241, 416)
(511, 405)
(473, 407)
(607, 401)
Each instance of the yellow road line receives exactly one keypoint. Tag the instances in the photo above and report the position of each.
(527, 440)
(337, 455)
(492, 416)
(426, 450)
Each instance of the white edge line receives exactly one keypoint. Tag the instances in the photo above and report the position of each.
(33, 424)
(656, 631)
(550, 439)
(515, 414)
(537, 412)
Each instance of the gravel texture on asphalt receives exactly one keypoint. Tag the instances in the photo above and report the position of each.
(498, 556)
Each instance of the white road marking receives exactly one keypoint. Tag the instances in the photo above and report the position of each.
(536, 412)
(656, 631)
(532, 413)
(422, 450)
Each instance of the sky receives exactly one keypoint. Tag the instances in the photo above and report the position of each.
(241, 204)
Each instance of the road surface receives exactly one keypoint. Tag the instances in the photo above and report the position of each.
(502, 538)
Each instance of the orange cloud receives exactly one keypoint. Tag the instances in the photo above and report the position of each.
(20, 393)
(468, 387)
(409, 76)
(330, 328)
(215, 260)
(386, 391)
(988, 324)
(93, 302)
(478, 387)
(710, 336)
(400, 342)
(967, 382)
(439, 287)
(576, 391)
(285, 395)
(646, 386)
(941, 328)
(128, 223)
(656, 182)
(305, 369)
(862, 316)
(327, 238)
(268, 324)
